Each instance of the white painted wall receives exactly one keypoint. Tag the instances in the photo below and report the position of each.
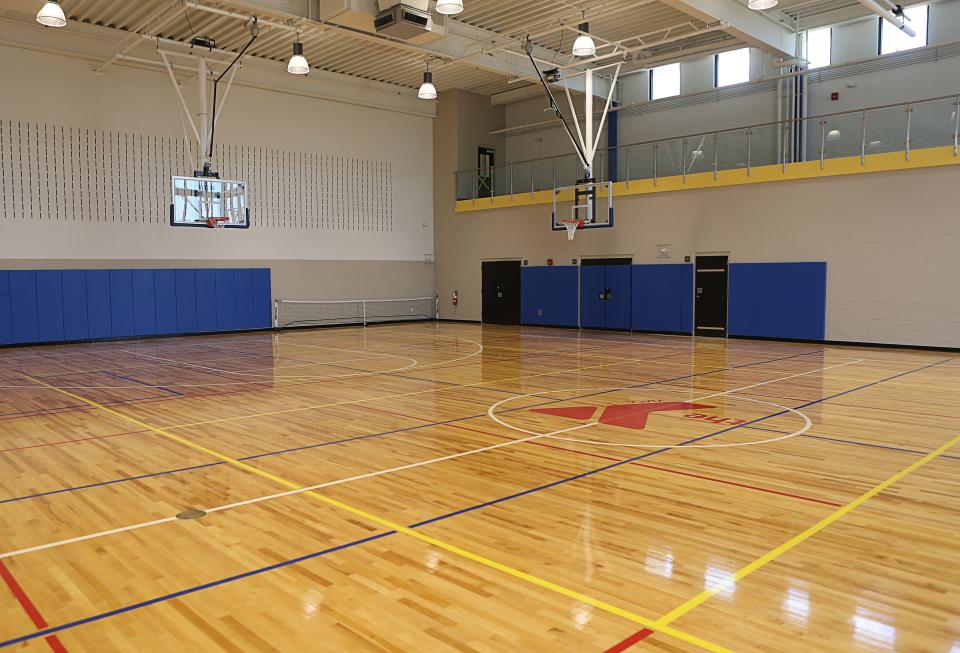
(889, 240)
(57, 90)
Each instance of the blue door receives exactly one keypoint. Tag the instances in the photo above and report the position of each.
(616, 306)
(592, 303)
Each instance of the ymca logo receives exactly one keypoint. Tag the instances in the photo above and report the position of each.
(630, 416)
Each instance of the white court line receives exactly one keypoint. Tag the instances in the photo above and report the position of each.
(422, 463)
(283, 378)
(277, 380)
(491, 413)
(278, 495)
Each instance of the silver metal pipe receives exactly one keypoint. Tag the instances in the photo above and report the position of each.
(956, 126)
(888, 15)
(907, 143)
(823, 141)
(863, 138)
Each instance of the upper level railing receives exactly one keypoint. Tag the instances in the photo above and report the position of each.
(934, 122)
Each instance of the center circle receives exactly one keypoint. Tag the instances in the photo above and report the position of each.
(557, 435)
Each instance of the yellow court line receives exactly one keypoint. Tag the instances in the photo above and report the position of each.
(705, 595)
(386, 523)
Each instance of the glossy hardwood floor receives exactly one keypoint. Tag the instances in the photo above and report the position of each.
(450, 487)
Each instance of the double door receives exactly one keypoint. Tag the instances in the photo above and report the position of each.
(605, 293)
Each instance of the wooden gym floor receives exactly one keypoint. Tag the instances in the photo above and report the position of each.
(450, 487)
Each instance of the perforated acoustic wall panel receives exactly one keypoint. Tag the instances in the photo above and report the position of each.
(56, 172)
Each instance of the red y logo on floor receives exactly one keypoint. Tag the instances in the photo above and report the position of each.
(631, 416)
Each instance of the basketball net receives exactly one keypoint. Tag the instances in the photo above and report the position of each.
(572, 224)
(217, 223)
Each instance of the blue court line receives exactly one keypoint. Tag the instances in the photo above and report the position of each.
(378, 435)
(149, 385)
(876, 446)
(854, 442)
(348, 545)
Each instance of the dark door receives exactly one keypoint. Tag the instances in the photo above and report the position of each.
(501, 292)
(711, 296)
(485, 163)
(592, 295)
(616, 309)
(605, 297)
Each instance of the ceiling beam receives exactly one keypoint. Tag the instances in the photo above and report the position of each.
(461, 43)
(752, 27)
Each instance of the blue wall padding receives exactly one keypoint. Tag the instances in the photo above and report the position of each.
(64, 305)
(663, 297)
(778, 300)
(226, 300)
(49, 306)
(187, 301)
(165, 288)
(6, 328)
(75, 314)
(549, 295)
(262, 303)
(121, 302)
(144, 303)
(23, 306)
(206, 300)
(243, 284)
(98, 303)
(591, 304)
(616, 309)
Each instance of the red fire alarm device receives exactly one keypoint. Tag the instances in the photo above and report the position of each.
(835, 96)
(549, 261)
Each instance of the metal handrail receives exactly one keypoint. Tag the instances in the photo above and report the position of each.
(785, 122)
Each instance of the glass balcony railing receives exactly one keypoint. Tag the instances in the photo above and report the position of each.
(903, 127)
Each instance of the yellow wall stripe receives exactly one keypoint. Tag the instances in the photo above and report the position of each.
(705, 595)
(475, 557)
(883, 162)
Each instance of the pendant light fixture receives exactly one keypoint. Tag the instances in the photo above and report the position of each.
(427, 90)
(51, 15)
(449, 7)
(584, 45)
(760, 5)
(298, 63)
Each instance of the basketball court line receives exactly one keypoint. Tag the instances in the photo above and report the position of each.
(364, 436)
(491, 412)
(29, 608)
(399, 528)
(307, 489)
(478, 383)
(662, 469)
(795, 541)
(377, 536)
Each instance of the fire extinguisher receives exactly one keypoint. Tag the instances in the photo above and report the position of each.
(455, 298)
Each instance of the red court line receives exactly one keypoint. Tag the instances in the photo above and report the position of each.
(638, 464)
(638, 636)
(95, 437)
(38, 621)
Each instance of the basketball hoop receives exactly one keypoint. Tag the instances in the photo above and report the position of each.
(218, 222)
(572, 224)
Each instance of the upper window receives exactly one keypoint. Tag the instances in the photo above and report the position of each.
(733, 67)
(818, 47)
(893, 39)
(665, 81)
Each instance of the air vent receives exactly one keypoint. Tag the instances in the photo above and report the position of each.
(403, 22)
